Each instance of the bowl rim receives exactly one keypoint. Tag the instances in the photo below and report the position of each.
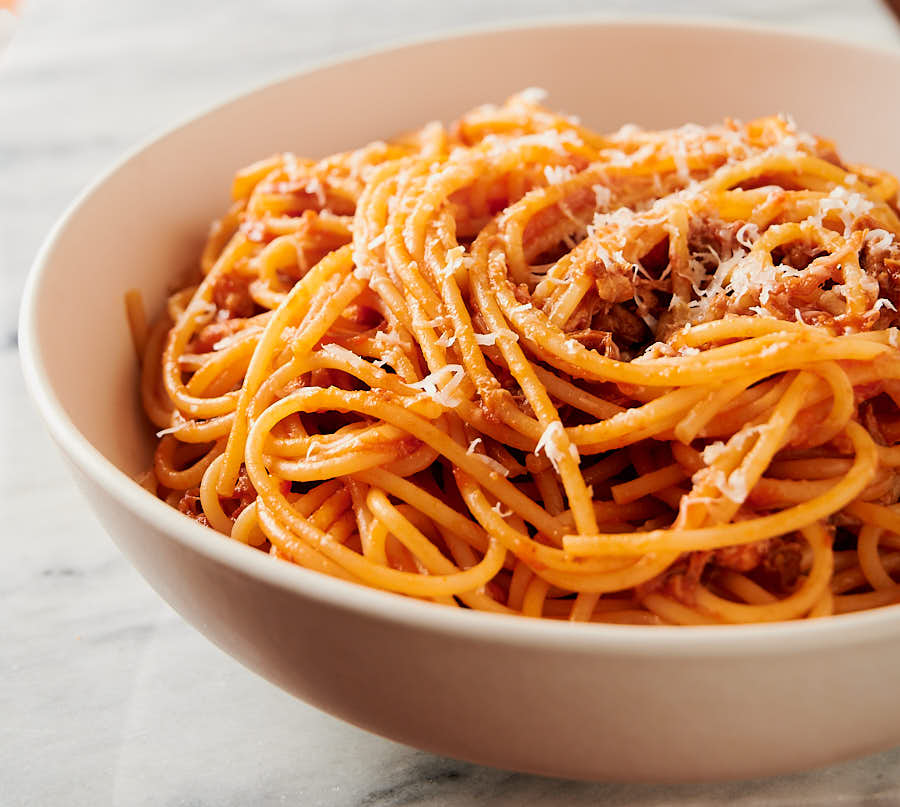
(684, 641)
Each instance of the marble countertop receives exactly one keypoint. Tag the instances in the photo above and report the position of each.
(106, 696)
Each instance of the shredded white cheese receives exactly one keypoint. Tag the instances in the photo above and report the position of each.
(491, 338)
(760, 311)
(849, 206)
(604, 196)
(627, 131)
(473, 445)
(548, 444)
(557, 174)
(680, 156)
(733, 486)
(170, 430)
(203, 310)
(534, 95)
(443, 395)
(314, 186)
(454, 261)
(712, 452)
(879, 240)
(748, 234)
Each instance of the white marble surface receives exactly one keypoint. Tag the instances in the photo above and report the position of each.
(106, 697)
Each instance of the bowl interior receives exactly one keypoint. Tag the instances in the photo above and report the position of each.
(142, 226)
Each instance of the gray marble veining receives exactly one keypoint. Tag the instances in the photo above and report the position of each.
(106, 697)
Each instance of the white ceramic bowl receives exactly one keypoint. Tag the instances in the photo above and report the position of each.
(587, 701)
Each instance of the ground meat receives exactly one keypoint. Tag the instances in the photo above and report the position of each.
(244, 494)
(189, 504)
(613, 285)
(782, 564)
(743, 558)
(805, 291)
(625, 326)
(774, 563)
(601, 341)
(210, 334)
(231, 294)
(883, 264)
(683, 586)
(798, 254)
(712, 233)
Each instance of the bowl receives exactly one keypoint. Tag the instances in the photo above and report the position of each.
(584, 701)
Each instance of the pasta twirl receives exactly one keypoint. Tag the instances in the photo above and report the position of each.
(515, 365)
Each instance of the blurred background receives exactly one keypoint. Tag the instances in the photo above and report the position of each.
(106, 696)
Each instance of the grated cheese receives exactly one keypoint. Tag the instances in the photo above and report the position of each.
(879, 240)
(760, 311)
(454, 262)
(171, 429)
(547, 443)
(733, 486)
(534, 95)
(315, 187)
(204, 309)
(627, 131)
(557, 174)
(712, 452)
(377, 241)
(748, 234)
(604, 196)
(849, 206)
(473, 445)
(681, 161)
(443, 395)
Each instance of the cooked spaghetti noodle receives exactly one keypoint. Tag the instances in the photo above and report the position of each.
(518, 366)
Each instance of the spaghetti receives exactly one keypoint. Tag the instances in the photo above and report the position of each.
(518, 366)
